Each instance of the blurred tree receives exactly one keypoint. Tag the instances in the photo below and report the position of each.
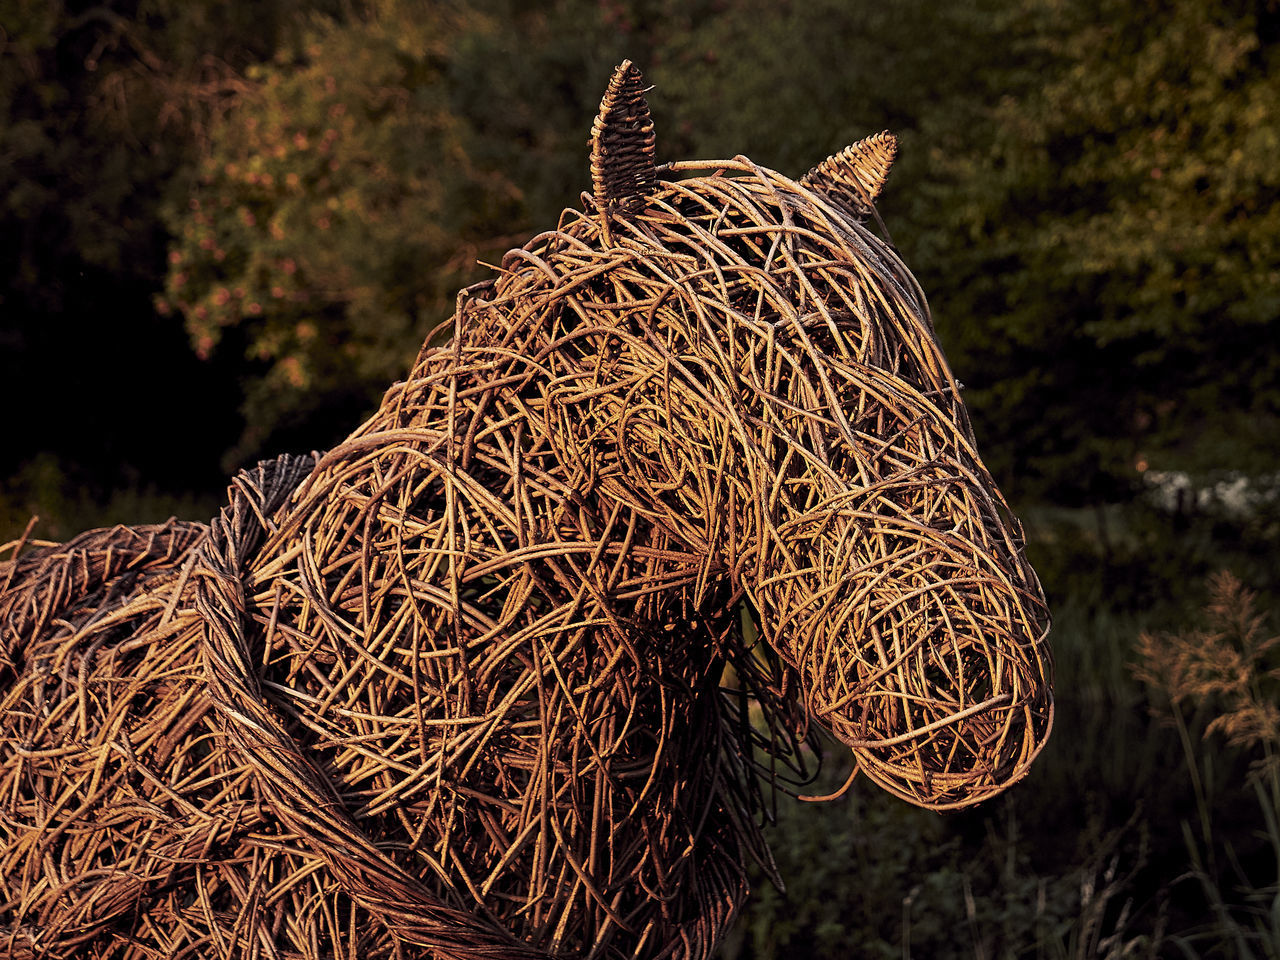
(1101, 243)
(326, 218)
(100, 105)
(1084, 189)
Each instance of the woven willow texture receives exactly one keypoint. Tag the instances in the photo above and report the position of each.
(476, 682)
(622, 144)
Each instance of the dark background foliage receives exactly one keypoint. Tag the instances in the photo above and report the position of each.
(226, 228)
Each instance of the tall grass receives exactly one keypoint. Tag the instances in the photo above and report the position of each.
(1222, 680)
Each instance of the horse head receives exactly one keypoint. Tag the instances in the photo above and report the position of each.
(737, 357)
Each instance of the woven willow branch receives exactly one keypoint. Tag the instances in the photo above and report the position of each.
(474, 683)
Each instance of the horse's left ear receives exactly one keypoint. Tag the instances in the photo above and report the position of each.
(857, 172)
(623, 176)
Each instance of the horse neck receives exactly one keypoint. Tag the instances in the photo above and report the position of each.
(479, 404)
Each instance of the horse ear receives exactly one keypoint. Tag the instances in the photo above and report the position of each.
(857, 172)
(622, 169)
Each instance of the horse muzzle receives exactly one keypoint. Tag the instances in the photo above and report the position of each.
(923, 652)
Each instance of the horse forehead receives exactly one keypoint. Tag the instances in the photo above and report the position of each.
(751, 257)
(808, 266)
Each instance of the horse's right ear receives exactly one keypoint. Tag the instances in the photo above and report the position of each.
(623, 175)
(857, 173)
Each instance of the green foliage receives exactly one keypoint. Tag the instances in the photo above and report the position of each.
(325, 217)
(1092, 211)
(1106, 261)
(56, 495)
(101, 105)
(97, 108)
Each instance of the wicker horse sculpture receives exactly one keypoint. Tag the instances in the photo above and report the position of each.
(477, 682)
